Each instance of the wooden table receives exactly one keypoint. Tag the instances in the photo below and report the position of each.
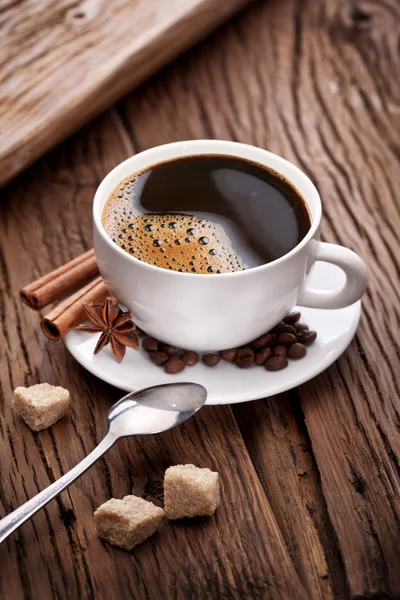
(310, 479)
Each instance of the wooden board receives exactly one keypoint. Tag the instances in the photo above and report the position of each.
(63, 62)
(310, 478)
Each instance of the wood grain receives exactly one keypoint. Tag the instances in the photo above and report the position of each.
(279, 445)
(310, 477)
(62, 63)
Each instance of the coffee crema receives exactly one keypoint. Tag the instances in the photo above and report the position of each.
(206, 214)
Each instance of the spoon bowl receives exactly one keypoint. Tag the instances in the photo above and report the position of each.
(155, 409)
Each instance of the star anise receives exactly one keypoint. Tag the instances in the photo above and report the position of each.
(116, 327)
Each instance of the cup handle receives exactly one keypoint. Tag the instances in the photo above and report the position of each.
(354, 287)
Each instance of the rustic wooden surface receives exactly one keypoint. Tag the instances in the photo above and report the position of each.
(64, 62)
(311, 478)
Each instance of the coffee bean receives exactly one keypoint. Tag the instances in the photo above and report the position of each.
(283, 327)
(276, 363)
(244, 358)
(174, 365)
(300, 327)
(268, 339)
(190, 358)
(292, 317)
(263, 355)
(228, 355)
(150, 344)
(297, 351)
(169, 350)
(158, 358)
(307, 337)
(211, 360)
(279, 351)
(287, 329)
(286, 339)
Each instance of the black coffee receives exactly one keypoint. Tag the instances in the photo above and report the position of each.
(206, 214)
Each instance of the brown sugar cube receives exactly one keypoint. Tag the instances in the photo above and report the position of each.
(190, 492)
(127, 522)
(41, 405)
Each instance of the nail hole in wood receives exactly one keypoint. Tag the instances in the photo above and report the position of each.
(360, 17)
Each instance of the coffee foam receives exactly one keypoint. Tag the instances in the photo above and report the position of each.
(178, 242)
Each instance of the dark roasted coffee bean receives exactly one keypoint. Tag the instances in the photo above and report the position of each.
(158, 358)
(279, 351)
(286, 339)
(297, 351)
(190, 358)
(300, 327)
(268, 339)
(174, 365)
(244, 358)
(306, 337)
(150, 344)
(292, 317)
(169, 350)
(263, 355)
(276, 363)
(228, 355)
(285, 328)
(211, 360)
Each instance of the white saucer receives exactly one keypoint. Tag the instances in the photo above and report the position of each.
(226, 383)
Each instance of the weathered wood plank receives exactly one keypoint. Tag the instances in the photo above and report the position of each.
(313, 82)
(62, 63)
(340, 122)
(280, 448)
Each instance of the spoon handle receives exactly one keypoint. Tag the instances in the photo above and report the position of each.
(12, 521)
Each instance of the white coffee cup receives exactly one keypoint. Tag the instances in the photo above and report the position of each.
(213, 312)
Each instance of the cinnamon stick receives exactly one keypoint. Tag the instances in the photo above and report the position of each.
(61, 282)
(69, 313)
